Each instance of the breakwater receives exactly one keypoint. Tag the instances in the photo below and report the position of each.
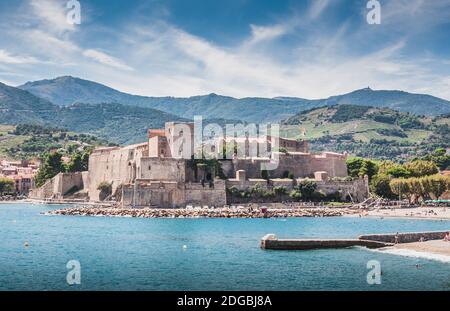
(270, 241)
(407, 237)
(228, 212)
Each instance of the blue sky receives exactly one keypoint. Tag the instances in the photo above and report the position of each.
(310, 49)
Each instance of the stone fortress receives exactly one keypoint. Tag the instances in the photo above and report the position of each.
(162, 172)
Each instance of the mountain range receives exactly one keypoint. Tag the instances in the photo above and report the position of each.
(65, 91)
(89, 107)
(114, 122)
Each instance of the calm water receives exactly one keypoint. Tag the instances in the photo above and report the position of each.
(220, 254)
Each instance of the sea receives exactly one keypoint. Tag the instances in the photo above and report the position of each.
(38, 252)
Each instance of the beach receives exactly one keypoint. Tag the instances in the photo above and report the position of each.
(437, 250)
(416, 212)
(439, 247)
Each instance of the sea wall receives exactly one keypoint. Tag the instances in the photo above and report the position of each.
(271, 242)
(356, 190)
(410, 237)
(214, 195)
(60, 185)
(156, 194)
(167, 194)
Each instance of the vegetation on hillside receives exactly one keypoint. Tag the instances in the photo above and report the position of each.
(368, 132)
(28, 141)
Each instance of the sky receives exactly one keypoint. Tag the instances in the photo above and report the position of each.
(242, 48)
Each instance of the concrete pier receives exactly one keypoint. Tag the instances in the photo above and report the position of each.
(408, 237)
(270, 241)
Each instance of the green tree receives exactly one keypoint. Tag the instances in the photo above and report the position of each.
(52, 166)
(85, 161)
(75, 164)
(105, 189)
(358, 167)
(354, 166)
(6, 185)
(295, 195)
(398, 171)
(440, 158)
(435, 185)
(416, 190)
(400, 187)
(307, 188)
(420, 168)
(78, 163)
(380, 185)
(280, 191)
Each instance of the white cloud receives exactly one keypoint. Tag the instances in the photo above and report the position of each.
(52, 14)
(159, 59)
(265, 33)
(8, 58)
(106, 59)
(317, 7)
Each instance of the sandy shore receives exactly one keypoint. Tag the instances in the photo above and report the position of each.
(436, 247)
(437, 250)
(418, 212)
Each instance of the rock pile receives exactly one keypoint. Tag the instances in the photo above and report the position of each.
(226, 212)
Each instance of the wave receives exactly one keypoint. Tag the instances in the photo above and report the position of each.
(415, 254)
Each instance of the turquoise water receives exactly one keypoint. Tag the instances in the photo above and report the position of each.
(219, 254)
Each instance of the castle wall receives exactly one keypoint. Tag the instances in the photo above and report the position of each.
(115, 165)
(358, 189)
(332, 163)
(65, 182)
(59, 186)
(196, 194)
(165, 169)
(171, 194)
(302, 165)
(153, 194)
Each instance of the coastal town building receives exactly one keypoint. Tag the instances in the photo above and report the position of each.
(163, 172)
(21, 172)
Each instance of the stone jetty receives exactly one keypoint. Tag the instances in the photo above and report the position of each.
(270, 241)
(224, 212)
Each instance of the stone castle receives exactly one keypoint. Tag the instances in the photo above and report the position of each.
(162, 172)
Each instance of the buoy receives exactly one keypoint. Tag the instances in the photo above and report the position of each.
(26, 244)
(184, 246)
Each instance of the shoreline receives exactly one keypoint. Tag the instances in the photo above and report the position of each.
(419, 213)
(249, 210)
(230, 212)
(431, 250)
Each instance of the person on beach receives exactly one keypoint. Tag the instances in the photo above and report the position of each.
(396, 238)
(447, 237)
